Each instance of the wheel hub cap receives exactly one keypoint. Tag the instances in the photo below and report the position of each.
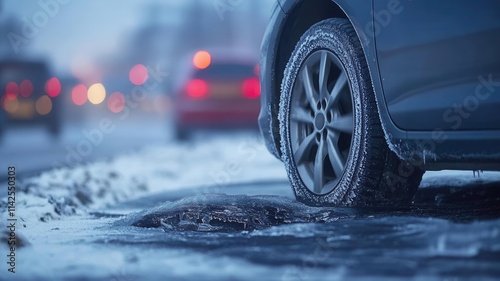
(321, 121)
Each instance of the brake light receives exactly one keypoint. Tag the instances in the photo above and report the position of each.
(53, 87)
(10, 96)
(251, 88)
(197, 89)
(12, 90)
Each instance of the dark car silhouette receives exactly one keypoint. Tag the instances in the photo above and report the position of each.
(359, 98)
(29, 95)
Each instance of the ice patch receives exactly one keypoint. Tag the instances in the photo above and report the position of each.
(226, 213)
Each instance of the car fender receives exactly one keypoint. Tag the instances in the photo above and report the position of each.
(360, 14)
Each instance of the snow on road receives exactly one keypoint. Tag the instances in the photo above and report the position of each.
(53, 208)
(205, 166)
(55, 212)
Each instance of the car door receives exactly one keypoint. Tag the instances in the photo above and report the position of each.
(440, 62)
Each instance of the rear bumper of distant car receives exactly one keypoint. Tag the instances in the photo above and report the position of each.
(213, 115)
(27, 113)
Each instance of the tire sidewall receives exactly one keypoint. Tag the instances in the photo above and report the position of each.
(332, 38)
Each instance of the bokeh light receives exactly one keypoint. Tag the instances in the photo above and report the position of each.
(116, 102)
(79, 94)
(12, 89)
(138, 74)
(53, 87)
(26, 88)
(11, 105)
(11, 96)
(43, 105)
(202, 60)
(251, 88)
(197, 88)
(96, 93)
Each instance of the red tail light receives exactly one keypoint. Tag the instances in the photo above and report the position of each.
(53, 87)
(197, 89)
(251, 88)
(12, 89)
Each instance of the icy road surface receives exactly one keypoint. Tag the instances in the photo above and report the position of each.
(222, 209)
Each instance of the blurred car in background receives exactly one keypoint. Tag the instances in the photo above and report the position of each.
(217, 90)
(30, 95)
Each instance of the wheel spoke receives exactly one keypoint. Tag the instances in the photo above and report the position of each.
(319, 167)
(343, 124)
(321, 103)
(308, 86)
(335, 93)
(301, 115)
(335, 156)
(324, 72)
(305, 148)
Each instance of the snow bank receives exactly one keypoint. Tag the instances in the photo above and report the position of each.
(205, 165)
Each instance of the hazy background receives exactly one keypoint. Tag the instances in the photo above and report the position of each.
(98, 42)
(104, 33)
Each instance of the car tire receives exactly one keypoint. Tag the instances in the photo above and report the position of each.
(332, 140)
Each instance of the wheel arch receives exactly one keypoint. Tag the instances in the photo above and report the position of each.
(300, 16)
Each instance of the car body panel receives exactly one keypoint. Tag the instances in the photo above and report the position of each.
(438, 149)
(437, 67)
